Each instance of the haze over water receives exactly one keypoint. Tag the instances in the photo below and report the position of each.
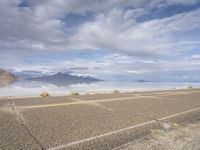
(25, 88)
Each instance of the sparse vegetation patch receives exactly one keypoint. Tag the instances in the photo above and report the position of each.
(74, 93)
(116, 92)
(44, 94)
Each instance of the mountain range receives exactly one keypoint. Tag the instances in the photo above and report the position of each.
(62, 79)
(58, 79)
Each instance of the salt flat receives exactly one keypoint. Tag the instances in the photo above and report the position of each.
(102, 121)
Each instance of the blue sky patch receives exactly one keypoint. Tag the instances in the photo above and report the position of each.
(116, 38)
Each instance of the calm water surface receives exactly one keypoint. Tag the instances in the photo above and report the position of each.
(28, 88)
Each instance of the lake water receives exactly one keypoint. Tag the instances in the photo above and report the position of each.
(28, 88)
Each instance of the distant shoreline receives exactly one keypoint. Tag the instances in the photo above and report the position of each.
(100, 93)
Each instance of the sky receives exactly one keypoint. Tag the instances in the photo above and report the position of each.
(109, 39)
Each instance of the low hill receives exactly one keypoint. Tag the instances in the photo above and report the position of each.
(6, 78)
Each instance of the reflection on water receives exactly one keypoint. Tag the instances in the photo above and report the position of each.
(32, 88)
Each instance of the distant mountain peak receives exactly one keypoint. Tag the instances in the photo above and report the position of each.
(61, 79)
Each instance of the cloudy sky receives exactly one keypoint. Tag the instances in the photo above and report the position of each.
(102, 38)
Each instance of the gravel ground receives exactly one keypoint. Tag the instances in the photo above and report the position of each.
(177, 138)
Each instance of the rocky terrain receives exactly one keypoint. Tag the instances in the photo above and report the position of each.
(179, 138)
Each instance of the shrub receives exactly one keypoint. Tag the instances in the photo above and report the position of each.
(115, 91)
(158, 133)
(75, 93)
(91, 93)
(7, 97)
(44, 94)
(190, 87)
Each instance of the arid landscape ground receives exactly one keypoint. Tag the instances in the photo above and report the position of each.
(144, 120)
(179, 137)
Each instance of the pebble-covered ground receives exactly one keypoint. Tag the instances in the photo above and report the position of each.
(179, 138)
